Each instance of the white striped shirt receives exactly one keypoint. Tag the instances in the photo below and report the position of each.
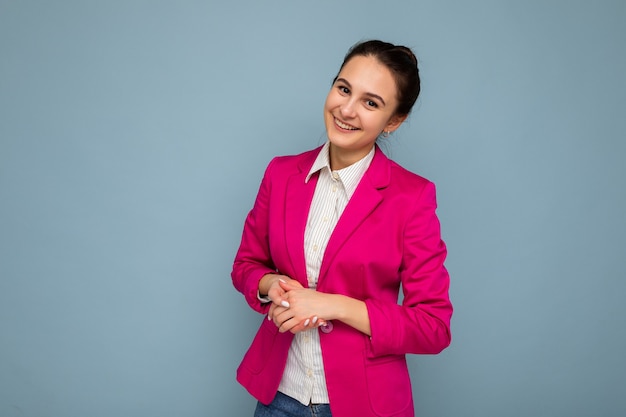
(304, 378)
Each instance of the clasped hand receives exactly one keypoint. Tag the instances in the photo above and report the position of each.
(295, 308)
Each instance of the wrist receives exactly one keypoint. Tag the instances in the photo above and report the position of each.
(266, 283)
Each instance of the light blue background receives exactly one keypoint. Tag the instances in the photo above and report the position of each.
(133, 136)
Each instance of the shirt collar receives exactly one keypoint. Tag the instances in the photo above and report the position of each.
(350, 176)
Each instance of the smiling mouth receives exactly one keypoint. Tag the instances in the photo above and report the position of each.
(345, 126)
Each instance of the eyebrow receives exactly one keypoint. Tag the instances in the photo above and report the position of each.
(376, 96)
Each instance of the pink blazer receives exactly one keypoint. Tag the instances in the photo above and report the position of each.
(388, 236)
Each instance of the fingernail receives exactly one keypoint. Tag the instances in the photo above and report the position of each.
(269, 318)
(282, 280)
(284, 304)
(306, 322)
(314, 319)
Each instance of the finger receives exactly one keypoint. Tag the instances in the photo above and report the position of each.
(308, 323)
(293, 283)
(288, 286)
(287, 325)
(284, 285)
(298, 328)
(280, 300)
(290, 322)
(275, 311)
(282, 315)
(270, 313)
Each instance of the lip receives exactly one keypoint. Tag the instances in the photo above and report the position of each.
(339, 124)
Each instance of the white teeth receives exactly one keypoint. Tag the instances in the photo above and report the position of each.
(344, 126)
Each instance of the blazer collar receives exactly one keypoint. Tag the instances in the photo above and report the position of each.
(379, 172)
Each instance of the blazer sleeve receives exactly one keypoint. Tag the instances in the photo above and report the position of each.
(253, 259)
(422, 323)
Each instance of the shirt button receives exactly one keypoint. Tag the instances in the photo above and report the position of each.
(315, 248)
(309, 372)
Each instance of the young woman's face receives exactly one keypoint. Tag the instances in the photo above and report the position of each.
(359, 107)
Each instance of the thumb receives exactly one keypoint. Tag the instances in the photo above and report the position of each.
(286, 286)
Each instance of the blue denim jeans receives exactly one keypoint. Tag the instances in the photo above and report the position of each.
(285, 406)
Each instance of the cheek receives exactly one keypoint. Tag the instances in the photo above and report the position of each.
(327, 110)
(333, 100)
(371, 121)
(380, 122)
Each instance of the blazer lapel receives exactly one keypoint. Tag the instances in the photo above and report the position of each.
(365, 199)
(298, 197)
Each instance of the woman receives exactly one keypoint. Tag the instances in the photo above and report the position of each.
(333, 234)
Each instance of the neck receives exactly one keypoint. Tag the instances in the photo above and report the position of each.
(342, 158)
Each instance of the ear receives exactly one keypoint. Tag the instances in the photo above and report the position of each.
(395, 122)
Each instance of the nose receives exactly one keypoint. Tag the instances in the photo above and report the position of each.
(347, 109)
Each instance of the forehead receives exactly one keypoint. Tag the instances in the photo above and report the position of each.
(366, 73)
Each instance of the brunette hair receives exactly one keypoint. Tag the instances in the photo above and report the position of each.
(402, 63)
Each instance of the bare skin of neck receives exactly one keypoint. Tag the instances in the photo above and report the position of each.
(340, 159)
